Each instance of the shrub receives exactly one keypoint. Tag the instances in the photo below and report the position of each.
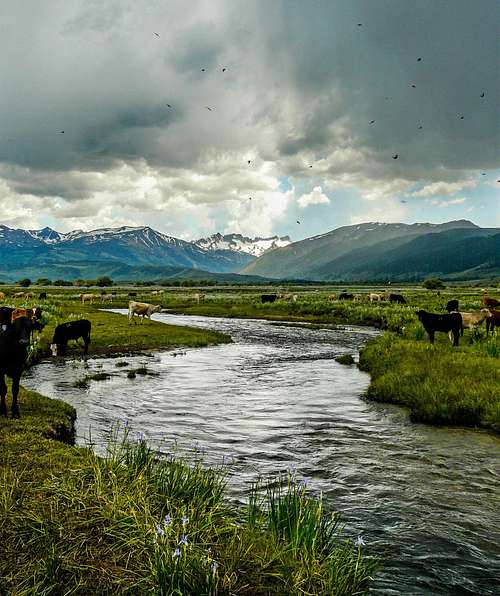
(25, 282)
(433, 283)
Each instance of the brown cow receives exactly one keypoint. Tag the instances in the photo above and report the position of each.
(492, 321)
(141, 309)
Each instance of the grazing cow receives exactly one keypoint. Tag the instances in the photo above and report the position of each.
(29, 295)
(346, 296)
(268, 298)
(156, 292)
(471, 320)
(42, 296)
(288, 297)
(2, 296)
(88, 298)
(375, 297)
(199, 297)
(446, 323)
(106, 298)
(332, 297)
(141, 309)
(452, 306)
(71, 330)
(18, 295)
(490, 302)
(397, 298)
(14, 342)
(492, 321)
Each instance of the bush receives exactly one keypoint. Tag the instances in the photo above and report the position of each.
(24, 283)
(43, 281)
(433, 283)
(104, 282)
(62, 282)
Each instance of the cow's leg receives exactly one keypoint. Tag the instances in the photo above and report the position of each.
(431, 336)
(15, 392)
(456, 336)
(3, 393)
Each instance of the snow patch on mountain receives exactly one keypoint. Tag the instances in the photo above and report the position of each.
(236, 242)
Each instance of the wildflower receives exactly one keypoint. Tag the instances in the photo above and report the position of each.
(306, 481)
(168, 520)
(214, 566)
(183, 540)
(176, 553)
(159, 530)
(359, 541)
(185, 520)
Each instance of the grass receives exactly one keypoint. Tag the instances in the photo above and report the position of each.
(138, 522)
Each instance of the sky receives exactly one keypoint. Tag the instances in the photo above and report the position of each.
(285, 116)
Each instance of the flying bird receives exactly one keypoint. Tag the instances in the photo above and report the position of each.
(395, 156)
(168, 105)
(202, 70)
(249, 161)
(224, 69)
(419, 59)
(298, 221)
(482, 94)
(209, 109)
(61, 132)
(157, 34)
(404, 201)
(461, 117)
(249, 198)
(310, 166)
(360, 24)
(372, 121)
(483, 173)
(413, 85)
(420, 127)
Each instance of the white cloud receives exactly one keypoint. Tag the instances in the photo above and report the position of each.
(315, 197)
(450, 203)
(444, 188)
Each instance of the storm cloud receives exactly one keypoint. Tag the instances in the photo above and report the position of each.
(102, 120)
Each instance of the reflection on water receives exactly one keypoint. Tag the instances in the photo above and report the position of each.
(424, 498)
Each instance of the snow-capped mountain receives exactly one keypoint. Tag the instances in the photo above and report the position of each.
(132, 245)
(236, 242)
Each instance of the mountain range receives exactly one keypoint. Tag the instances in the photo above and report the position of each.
(364, 252)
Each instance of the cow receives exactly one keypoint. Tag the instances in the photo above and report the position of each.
(199, 297)
(288, 297)
(42, 296)
(18, 295)
(375, 297)
(397, 298)
(132, 294)
(268, 298)
(451, 322)
(488, 302)
(2, 296)
(492, 321)
(70, 330)
(29, 296)
(359, 297)
(332, 297)
(33, 314)
(88, 298)
(346, 296)
(106, 298)
(141, 309)
(471, 320)
(452, 306)
(15, 336)
(156, 292)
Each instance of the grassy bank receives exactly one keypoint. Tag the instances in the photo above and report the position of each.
(140, 523)
(439, 384)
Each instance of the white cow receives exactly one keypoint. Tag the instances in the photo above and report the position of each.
(141, 309)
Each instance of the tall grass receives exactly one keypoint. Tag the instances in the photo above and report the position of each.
(143, 522)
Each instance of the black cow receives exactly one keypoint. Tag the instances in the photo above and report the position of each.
(132, 294)
(346, 296)
(452, 306)
(71, 330)
(268, 298)
(14, 342)
(42, 296)
(445, 323)
(397, 298)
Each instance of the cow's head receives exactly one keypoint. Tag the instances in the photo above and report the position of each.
(22, 326)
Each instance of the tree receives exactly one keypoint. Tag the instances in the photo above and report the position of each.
(25, 282)
(63, 282)
(43, 281)
(104, 282)
(434, 283)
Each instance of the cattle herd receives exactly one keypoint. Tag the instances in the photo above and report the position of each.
(17, 326)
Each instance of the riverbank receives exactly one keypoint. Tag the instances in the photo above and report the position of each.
(134, 522)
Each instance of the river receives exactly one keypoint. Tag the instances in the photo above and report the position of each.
(425, 499)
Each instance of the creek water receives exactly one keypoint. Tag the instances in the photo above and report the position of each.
(425, 499)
